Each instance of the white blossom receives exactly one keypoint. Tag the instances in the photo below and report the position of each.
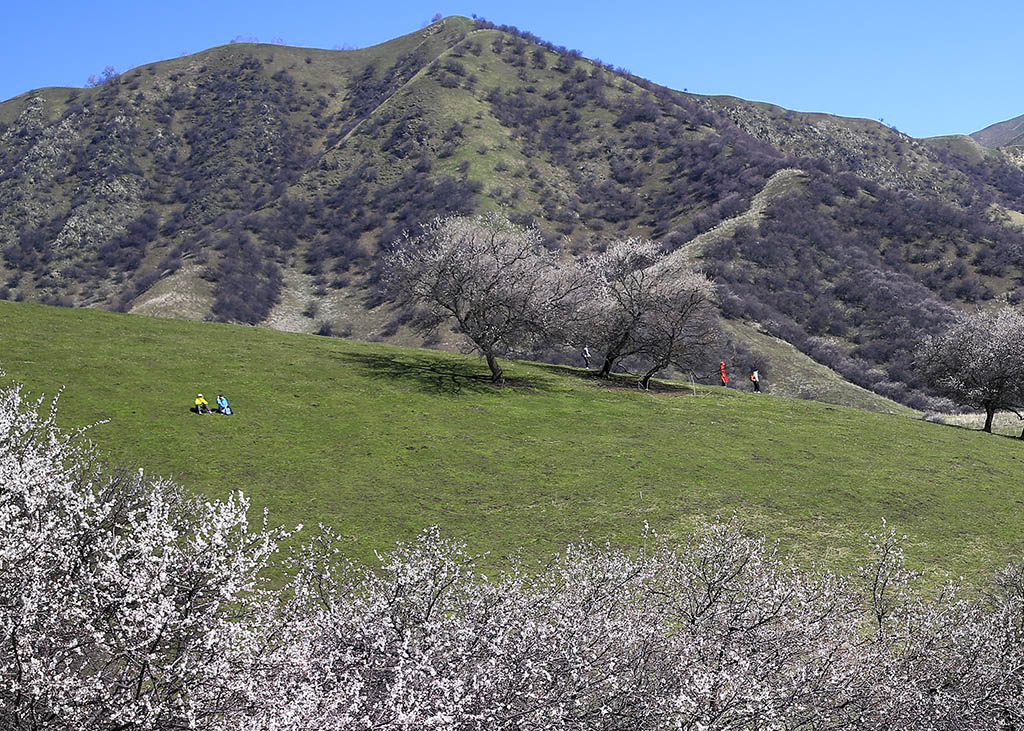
(504, 291)
(127, 604)
(979, 361)
(645, 306)
(124, 603)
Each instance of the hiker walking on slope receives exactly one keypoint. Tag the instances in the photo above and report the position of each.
(721, 369)
(755, 381)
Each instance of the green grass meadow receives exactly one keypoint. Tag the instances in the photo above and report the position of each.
(381, 442)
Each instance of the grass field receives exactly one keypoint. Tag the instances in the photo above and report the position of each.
(381, 441)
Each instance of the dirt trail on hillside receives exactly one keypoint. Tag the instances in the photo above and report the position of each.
(184, 295)
(777, 185)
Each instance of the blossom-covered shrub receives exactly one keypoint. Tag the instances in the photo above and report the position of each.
(127, 604)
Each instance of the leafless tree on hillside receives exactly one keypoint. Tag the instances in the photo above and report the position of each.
(647, 306)
(979, 361)
(502, 288)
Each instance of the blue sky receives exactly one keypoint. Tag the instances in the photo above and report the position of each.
(927, 68)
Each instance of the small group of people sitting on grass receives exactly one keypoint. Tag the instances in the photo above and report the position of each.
(203, 406)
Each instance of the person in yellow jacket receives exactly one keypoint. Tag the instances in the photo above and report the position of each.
(202, 405)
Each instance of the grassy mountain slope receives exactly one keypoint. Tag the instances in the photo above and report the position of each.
(380, 441)
(254, 183)
(795, 375)
(1002, 134)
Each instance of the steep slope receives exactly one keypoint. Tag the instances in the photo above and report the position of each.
(1002, 134)
(954, 169)
(108, 189)
(258, 184)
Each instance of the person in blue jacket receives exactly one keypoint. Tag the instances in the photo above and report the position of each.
(223, 405)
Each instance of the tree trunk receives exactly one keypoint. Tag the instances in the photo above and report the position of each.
(497, 375)
(645, 379)
(612, 354)
(989, 413)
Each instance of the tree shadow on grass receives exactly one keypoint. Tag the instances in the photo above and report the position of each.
(623, 381)
(431, 374)
(976, 429)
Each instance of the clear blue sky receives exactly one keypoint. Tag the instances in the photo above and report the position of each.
(928, 68)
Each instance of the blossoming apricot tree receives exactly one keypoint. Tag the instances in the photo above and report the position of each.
(127, 604)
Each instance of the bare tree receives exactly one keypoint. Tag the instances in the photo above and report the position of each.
(502, 288)
(645, 305)
(109, 72)
(617, 302)
(979, 361)
(681, 325)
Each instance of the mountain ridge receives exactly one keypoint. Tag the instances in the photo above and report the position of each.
(1002, 134)
(257, 183)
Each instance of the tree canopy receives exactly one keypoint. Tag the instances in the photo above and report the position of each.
(979, 361)
(648, 306)
(494, 279)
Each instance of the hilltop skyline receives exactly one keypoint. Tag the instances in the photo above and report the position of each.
(925, 69)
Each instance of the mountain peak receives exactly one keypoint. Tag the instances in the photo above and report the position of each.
(260, 184)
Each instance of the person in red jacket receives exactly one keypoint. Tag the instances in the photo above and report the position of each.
(721, 369)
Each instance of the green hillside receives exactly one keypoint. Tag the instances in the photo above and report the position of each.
(381, 441)
(259, 184)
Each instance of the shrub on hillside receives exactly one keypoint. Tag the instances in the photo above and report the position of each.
(125, 602)
(247, 282)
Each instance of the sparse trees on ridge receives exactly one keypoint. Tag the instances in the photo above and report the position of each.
(646, 305)
(979, 361)
(109, 72)
(503, 289)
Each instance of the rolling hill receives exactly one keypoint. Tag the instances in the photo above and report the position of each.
(381, 441)
(258, 184)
